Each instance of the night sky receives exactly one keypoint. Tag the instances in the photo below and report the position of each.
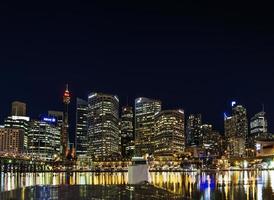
(195, 56)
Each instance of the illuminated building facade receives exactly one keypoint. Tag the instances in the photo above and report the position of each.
(193, 133)
(145, 111)
(19, 122)
(11, 140)
(18, 108)
(236, 130)
(42, 138)
(59, 116)
(258, 129)
(169, 139)
(211, 141)
(239, 112)
(81, 128)
(127, 132)
(103, 126)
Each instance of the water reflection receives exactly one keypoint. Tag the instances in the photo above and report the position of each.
(221, 185)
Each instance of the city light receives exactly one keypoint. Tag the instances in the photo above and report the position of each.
(139, 100)
(49, 119)
(92, 95)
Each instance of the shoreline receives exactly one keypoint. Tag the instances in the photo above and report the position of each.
(123, 171)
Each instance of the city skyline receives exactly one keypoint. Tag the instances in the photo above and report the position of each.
(137, 100)
(73, 109)
(184, 54)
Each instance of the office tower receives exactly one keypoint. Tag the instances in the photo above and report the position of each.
(42, 138)
(12, 140)
(81, 128)
(239, 112)
(103, 126)
(59, 116)
(169, 133)
(18, 108)
(205, 133)
(22, 123)
(193, 132)
(258, 129)
(236, 129)
(127, 134)
(145, 111)
(210, 141)
(65, 126)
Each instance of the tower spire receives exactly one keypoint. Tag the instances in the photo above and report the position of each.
(65, 126)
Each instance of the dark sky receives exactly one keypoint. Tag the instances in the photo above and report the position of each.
(195, 56)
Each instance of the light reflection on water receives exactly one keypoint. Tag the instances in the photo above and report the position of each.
(221, 185)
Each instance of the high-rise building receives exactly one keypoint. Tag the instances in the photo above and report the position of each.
(59, 116)
(193, 133)
(211, 141)
(127, 134)
(103, 126)
(236, 129)
(239, 112)
(169, 133)
(19, 122)
(42, 138)
(18, 108)
(145, 111)
(258, 129)
(81, 128)
(205, 132)
(11, 140)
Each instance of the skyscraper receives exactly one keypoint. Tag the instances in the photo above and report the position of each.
(210, 141)
(103, 126)
(258, 129)
(59, 116)
(239, 112)
(169, 133)
(81, 128)
(193, 133)
(236, 129)
(42, 138)
(18, 108)
(11, 140)
(22, 123)
(145, 111)
(127, 134)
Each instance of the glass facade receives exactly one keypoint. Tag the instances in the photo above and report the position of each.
(42, 139)
(193, 132)
(81, 127)
(59, 115)
(127, 134)
(169, 139)
(103, 126)
(258, 129)
(145, 111)
(236, 131)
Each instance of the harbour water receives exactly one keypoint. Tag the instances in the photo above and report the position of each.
(172, 185)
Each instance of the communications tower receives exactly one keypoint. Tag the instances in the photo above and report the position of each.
(65, 125)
